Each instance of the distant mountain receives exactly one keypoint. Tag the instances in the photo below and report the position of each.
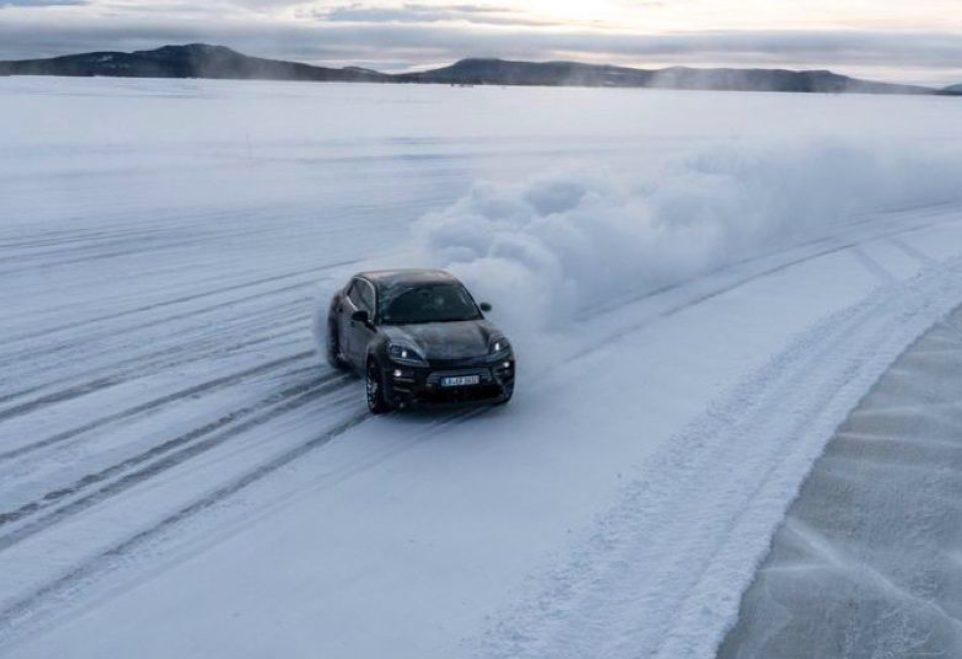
(190, 61)
(205, 61)
(953, 90)
(503, 72)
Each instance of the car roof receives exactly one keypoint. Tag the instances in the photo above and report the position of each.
(388, 278)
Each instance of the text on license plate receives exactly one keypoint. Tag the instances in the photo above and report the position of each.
(460, 380)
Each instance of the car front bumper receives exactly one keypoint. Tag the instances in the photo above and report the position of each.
(409, 386)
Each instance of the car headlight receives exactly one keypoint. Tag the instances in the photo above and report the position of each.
(499, 347)
(403, 354)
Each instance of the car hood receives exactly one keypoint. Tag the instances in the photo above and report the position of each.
(457, 340)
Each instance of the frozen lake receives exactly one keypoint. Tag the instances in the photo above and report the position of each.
(700, 288)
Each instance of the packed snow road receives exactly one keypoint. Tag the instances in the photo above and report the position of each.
(695, 311)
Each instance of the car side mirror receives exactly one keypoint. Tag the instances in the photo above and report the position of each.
(485, 307)
(360, 316)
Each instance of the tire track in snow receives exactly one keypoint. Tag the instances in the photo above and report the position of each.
(264, 411)
(90, 567)
(91, 249)
(834, 243)
(912, 252)
(873, 266)
(742, 281)
(133, 367)
(204, 388)
(180, 300)
(29, 267)
(52, 350)
(23, 392)
(140, 242)
(140, 361)
(64, 347)
(10, 615)
(176, 340)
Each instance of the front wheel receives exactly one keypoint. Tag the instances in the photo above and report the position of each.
(508, 394)
(374, 384)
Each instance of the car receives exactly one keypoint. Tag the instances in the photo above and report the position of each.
(418, 338)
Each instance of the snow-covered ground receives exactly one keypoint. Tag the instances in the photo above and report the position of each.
(700, 288)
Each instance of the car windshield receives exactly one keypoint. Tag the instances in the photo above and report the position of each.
(428, 303)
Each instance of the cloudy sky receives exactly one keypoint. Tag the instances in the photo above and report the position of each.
(900, 40)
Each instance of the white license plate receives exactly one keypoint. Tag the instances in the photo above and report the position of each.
(460, 381)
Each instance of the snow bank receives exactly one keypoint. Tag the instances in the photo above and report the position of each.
(583, 237)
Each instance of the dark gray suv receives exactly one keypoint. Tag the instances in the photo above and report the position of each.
(418, 338)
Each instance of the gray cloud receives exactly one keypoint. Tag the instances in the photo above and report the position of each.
(422, 13)
(40, 3)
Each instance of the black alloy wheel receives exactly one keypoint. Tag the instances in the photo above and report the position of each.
(374, 384)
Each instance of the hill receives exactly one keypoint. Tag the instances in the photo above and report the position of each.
(503, 72)
(190, 61)
(206, 61)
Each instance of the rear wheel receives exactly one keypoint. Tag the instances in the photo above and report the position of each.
(374, 384)
(334, 348)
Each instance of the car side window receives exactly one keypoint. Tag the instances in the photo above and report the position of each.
(361, 295)
(354, 294)
(367, 296)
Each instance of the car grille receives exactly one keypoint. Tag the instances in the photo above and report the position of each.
(461, 394)
(457, 364)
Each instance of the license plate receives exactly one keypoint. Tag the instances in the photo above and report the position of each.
(460, 381)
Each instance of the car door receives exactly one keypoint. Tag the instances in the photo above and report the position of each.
(350, 302)
(363, 298)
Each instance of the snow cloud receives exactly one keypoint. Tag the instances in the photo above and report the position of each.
(563, 243)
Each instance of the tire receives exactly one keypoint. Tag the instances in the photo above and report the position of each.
(508, 393)
(374, 389)
(334, 349)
